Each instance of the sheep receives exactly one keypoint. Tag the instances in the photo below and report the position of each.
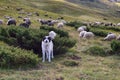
(88, 35)
(11, 21)
(118, 24)
(24, 25)
(110, 36)
(60, 24)
(82, 28)
(43, 22)
(1, 22)
(52, 34)
(27, 20)
(82, 34)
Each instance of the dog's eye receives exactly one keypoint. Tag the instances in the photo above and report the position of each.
(44, 38)
(49, 38)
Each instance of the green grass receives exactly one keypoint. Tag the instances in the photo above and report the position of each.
(89, 67)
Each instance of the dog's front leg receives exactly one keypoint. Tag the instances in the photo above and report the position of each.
(43, 56)
(49, 56)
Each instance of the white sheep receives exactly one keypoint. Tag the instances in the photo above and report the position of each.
(110, 36)
(52, 34)
(88, 35)
(82, 34)
(81, 28)
(60, 24)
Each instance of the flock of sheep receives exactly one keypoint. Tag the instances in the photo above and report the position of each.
(27, 22)
(84, 34)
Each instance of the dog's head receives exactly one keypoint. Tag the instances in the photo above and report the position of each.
(47, 39)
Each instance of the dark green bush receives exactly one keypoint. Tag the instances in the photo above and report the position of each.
(96, 50)
(70, 63)
(108, 28)
(75, 24)
(115, 45)
(98, 32)
(30, 39)
(16, 57)
(61, 33)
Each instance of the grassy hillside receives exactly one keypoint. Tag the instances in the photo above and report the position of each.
(77, 10)
(76, 64)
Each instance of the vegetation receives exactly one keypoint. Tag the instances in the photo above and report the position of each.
(11, 57)
(30, 39)
(75, 64)
(115, 45)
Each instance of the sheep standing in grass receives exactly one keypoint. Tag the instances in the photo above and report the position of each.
(82, 34)
(27, 20)
(60, 25)
(82, 28)
(1, 22)
(52, 34)
(26, 24)
(11, 21)
(88, 35)
(110, 36)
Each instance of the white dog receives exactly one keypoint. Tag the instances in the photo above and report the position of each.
(47, 48)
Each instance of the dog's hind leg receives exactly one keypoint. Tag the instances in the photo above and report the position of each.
(52, 54)
(49, 56)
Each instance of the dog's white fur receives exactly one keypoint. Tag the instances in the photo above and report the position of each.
(47, 49)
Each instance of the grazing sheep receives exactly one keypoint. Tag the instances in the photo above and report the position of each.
(88, 35)
(1, 22)
(60, 24)
(11, 21)
(43, 22)
(118, 24)
(82, 34)
(27, 20)
(82, 28)
(118, 38)
(52, 34)
(110, 36)
(24, 25)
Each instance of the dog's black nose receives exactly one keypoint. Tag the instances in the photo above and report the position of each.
(46, 41)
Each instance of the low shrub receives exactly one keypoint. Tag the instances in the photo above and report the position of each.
(98, 32)
(30, 39)
(75, 24)
(115, 46)
(16, 57)
(61, 33)
(96, 50)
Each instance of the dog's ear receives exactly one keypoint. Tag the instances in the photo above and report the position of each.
(50, 39)
(43, 39)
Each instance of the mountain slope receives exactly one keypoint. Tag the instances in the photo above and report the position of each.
(74, 10)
